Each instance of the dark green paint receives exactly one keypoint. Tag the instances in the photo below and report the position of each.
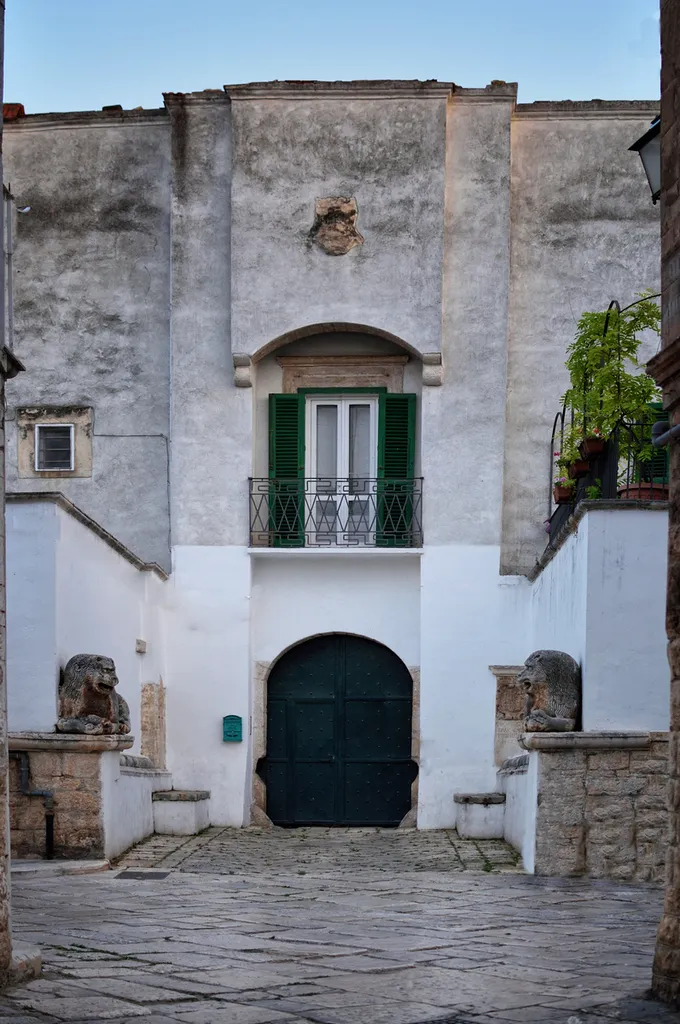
(232, 729)
(287, 469)
(339, 735)
(396, 464)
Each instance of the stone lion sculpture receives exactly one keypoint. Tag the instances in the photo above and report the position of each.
(552, 683)
(88, 701)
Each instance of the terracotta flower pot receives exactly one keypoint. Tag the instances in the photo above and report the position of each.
(579, 468)
(591, 447)
(563, 495)
(644, 492)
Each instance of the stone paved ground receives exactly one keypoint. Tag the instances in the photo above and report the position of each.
(252, 927)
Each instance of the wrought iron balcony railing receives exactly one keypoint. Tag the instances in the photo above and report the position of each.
(326, 513)
(628, 468)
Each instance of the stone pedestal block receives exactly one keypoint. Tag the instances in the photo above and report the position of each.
(601, 804)
(181, 812)
(70, 768)
(480, 815)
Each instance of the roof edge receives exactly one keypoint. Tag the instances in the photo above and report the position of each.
(633, 109)
(88, 119)
(358, 89)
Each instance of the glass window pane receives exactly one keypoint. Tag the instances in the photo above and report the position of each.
(54, 447)
(359, 444)
(326, 441)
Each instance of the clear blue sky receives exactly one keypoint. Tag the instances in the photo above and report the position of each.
(82, 54)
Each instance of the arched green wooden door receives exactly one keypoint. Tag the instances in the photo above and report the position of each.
(339, 734)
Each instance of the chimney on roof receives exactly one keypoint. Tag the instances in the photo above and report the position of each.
(12, 111)
(112, 108)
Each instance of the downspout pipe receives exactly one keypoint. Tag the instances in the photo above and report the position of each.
(46, 794)
(664, 438)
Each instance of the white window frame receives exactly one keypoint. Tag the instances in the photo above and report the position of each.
(343, 498)
(36, 443)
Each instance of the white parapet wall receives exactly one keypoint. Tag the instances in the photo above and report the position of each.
(518, 780)
(601, 598)
(127, 803)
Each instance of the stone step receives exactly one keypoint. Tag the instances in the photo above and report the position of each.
(181, 812)
(480, 815)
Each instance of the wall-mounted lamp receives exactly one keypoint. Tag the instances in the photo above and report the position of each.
(649, 148)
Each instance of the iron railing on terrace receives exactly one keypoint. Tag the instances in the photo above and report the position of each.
(627, 468)
(329, 512)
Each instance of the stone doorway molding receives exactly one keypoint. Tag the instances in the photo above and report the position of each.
(510, 701)
(342, 372)
(258, 807)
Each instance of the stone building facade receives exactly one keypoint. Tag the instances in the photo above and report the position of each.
(666, 369)
(358, 297)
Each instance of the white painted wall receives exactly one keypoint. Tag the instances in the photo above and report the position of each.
(208, 648)
(559, 600)
(32, 663)
(521, 804)
(628, 679)
(100, 599)
(470, 618)
(127, 806)
(300, 594)
(70, 593)
(602, 600)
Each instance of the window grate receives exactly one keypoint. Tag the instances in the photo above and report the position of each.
(54, 447)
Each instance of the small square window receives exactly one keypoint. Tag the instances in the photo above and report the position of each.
(54, 447)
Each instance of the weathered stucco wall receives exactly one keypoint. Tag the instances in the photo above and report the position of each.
(211, 419)
(92, 295)
(464, 421)
(382, 145)
(583, 232)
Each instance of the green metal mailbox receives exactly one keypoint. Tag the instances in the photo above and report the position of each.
(232, 729)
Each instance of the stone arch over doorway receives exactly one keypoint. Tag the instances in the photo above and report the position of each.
(315, 330)
(430, 363)
(339, 713)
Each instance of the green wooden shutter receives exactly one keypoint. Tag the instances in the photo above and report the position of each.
(396, 461)
(287, 470)
(659, 463)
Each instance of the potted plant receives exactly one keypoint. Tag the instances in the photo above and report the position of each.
(591, 445)
(608, 385)
(644, 490)
(563, 490)
(579, 468)
(569, 461)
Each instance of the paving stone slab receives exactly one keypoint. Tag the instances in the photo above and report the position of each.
(343, 943)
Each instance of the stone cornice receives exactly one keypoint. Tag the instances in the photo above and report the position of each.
(89, 119)
(57, 498)
(505, 92)
(360, 89)
(209, 97)
(633, 109)
(610, 740)
(76, 743)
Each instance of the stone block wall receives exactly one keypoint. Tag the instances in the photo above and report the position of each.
(153, 723)
(75, 780)
(71, 767)
(602, 811)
